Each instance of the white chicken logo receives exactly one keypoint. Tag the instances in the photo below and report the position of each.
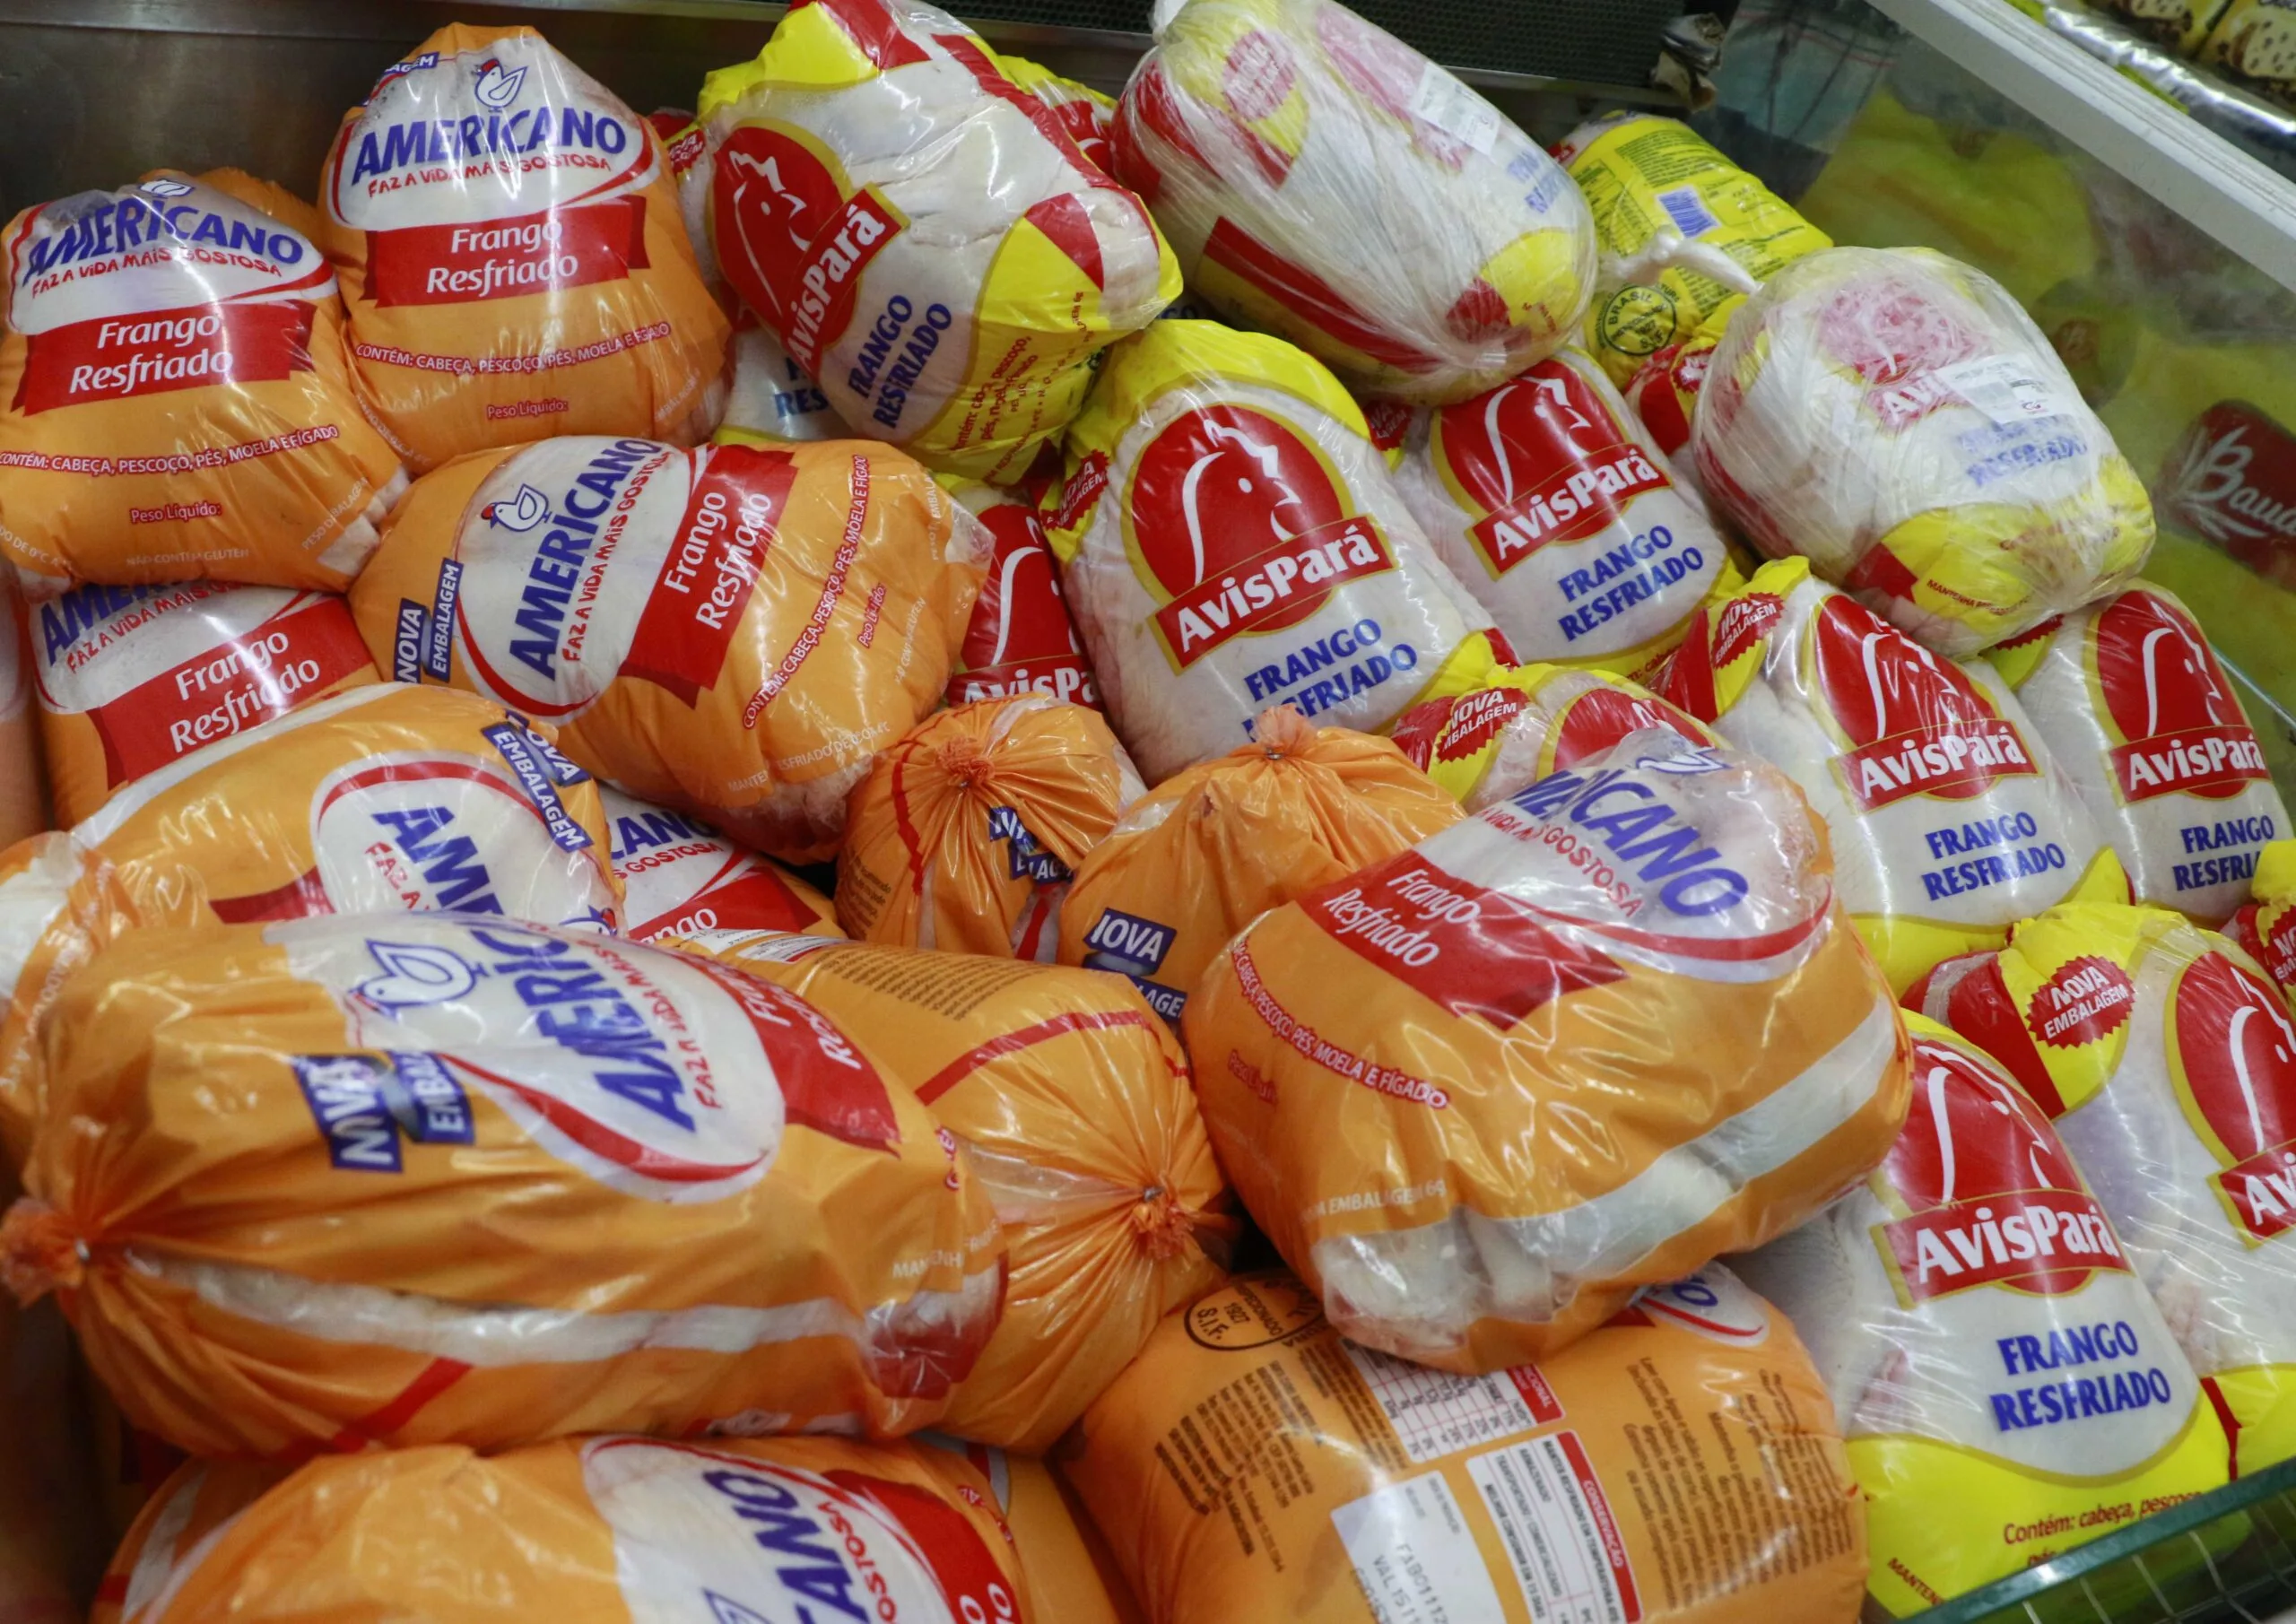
(498, 86)
(415, 974)
(521, 513)
(164, 188)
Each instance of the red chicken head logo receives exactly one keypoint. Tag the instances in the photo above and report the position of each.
(2156, 670)
(1879, 683)
(2234, 1048)
(773, 199)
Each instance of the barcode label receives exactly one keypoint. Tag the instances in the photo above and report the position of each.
(1688, 211)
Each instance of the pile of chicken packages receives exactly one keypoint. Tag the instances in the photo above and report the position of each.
(1144, 968)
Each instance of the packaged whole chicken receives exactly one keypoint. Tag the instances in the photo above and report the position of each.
(179, 402)
(1515, 726)
(1684, 234)
(966, 833)
(1557, 509)
(2006, 1388)
(610, 1530)
(2168, 1061)
(131, 678)
(771, 395)
(1074, 1106)
(1021, 638)
(679, 875)
(1214, 847)
(1896, 417)
(1481, 1092)
(23, 809)
(2265, 926)
(512, 255)
(596, 1185)
(923, 235)
(768, 617)
(2129, 698)
(1321, 180)
(1231, 539)
(1679, 1465)
(383, 799)
(1950, 818)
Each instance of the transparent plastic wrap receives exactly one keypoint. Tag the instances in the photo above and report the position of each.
(923, 236)
(1321, 180)
(1087, 116)
(1555, 507)
(383, 800)
(1231, 539)
(1076, 1104)
(680, 875)
(734, 630)
(2129, 700)
(2265, 926)
(773, 396)
(595, 1185)
(1603, 1032)
(1949, 819)
(2006, 1388)
(179, 400)
(1896, 417)
(131, 678)
(966, 833)
(508, 237)
(1254, 1465)
(2168, 1060)
(1022, 639)
(1490, 741)
(1214, 847)
(612, 1530)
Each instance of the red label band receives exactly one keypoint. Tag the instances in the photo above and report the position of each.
(1956, 761)
(1270, 584)
(1060, 676)
(704, 589)
(751, 898)
(1568, 505)
(2197, 761)
(2044, 1241)
(822, 294)
(508, 259)
(2261, 1192)
(118, 358)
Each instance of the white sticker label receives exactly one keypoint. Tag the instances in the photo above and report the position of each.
(1436, 1413)
(1455, 111)
(1688, 211)
(1415, 1556)
(2004, 388)
(1556, 1524)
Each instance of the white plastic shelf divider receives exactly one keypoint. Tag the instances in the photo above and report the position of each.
(2150, 143)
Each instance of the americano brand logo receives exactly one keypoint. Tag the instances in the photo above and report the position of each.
(2167, 701)
(2232, 1056)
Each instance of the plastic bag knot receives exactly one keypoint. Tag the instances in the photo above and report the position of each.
(1281, 730)
(964, 761)
(38, 1252)
(1163, 1226)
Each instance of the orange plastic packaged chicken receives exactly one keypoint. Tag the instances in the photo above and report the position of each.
(966, 834)
(436, 1178)
(614, 1530)
(1076, 1104)
(1680, 1465)
(734, 630)
(1215, 846)
(512, 255)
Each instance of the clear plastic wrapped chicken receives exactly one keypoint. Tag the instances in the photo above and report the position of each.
(1894, 417)
(1949, 818)
(922, 235)
(1231, 539)
(1481, 1092)
(1321, 180)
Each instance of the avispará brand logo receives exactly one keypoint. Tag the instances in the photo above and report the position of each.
(2233, 1056)
(2181, 727)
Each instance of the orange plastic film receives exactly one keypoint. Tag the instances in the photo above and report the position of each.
(1021, 638)
(734, 630)
(1480, 1093)
(1073, 1575)
(131, 677)
(1679, 1465)
(512, 256)
(1075, 1102)
(966, 834)
(596, 1185)
(179, 400)
(679, 876)
(380, 800)
(1212, 848)
(618, 1529)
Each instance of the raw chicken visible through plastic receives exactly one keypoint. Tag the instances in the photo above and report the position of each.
(772, 396)
(512, 255)
(2168, 1060)
(593, 1184)
(1950, 821)
(1231, 539)
(1022, 639)
(1480, 1093)
(1996, 1365)
(734, 630)
(2129, 699)
(922, 235)
(1555, 506)
(1321, 180)
(1894, 417)
(131, 677)
(179, 398)
(679, 875)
